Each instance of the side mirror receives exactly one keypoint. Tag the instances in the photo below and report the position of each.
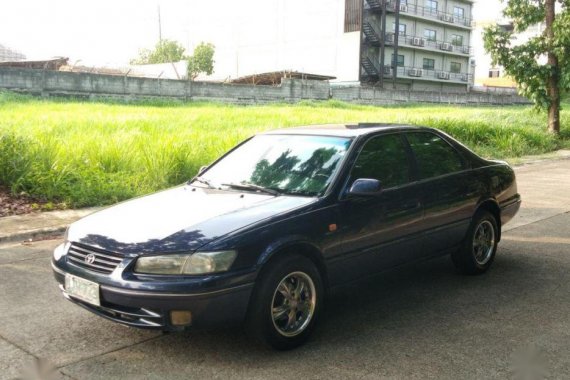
(365, 186)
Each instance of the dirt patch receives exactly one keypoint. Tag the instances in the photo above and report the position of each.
(18, 204)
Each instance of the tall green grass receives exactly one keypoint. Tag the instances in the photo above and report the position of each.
(95, 153)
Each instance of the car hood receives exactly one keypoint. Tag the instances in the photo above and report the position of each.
(177, 220)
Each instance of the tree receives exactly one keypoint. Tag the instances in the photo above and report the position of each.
(202, 61)
(540, 81)
(165, 51)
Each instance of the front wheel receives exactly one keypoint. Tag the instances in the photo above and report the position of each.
(286, 303)
(480, 245)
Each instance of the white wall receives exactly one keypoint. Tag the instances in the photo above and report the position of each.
(271, 35)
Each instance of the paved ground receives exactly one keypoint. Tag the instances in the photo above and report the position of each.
(38, 224)
(422, 321)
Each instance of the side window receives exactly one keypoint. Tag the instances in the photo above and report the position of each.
(383, 158)
(435, 156)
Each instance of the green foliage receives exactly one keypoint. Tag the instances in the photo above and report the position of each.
(201, 61)
(96, 153)
(522, 61)
(165, 51)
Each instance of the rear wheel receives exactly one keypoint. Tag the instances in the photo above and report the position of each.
(480, 245)
(286, 303)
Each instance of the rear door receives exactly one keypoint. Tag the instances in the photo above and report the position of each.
(449, 191)
(383, 230)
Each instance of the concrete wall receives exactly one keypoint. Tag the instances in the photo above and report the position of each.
(376, 96)
(57, 83)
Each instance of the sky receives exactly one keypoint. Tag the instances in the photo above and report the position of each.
(111, 32)
(104, 31)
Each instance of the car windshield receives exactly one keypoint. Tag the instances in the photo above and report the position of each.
(290, 164)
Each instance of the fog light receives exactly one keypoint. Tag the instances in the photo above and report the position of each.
(181, 317)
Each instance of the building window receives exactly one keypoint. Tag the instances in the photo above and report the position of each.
(400, 60)
(429, 64)
(430, 35)
(455, 67)
(458, 12)
(431, 6)
(494, 73)
(352, 15)
(456, 40)
(402, 28)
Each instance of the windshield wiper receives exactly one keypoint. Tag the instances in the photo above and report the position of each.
(251, 186)
(205, 181)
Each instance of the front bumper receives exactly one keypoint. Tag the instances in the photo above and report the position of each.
(151, 309)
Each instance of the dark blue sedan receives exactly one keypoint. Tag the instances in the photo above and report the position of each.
(261, 235)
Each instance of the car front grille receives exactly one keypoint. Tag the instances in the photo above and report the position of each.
(92, 258)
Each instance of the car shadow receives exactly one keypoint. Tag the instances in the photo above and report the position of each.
(416, 301)
(421, 317)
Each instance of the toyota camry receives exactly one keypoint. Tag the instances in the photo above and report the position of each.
(259, 237)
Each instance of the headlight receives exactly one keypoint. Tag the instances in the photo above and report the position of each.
(196, 263)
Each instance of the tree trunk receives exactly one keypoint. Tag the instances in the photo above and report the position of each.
(554, 78)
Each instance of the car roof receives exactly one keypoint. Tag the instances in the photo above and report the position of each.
(343, 130)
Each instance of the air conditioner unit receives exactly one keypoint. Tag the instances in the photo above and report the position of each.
(466, 50)
(417, 41)
(443, 75)
(415, 72)
(447, 18)
(390, 37)
(403, 7)
(387, 70)
(464, 77)
(446, 46)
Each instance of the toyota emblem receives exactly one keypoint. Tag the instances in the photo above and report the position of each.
(90, 258)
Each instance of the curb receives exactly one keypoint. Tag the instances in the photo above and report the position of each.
(39, 226)
(559, 155)
(32, 235)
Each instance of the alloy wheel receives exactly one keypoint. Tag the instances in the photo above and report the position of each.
(293, 304)
(483, 242)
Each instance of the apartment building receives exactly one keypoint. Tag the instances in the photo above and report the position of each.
(341, 38)
(491, 75)
(430, 50)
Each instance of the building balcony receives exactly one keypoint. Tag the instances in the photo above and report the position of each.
(417, 73)
(372, 71)
(421, 43)
(429, 14)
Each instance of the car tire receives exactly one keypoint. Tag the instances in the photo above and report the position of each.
(286, 303)
(479, 246)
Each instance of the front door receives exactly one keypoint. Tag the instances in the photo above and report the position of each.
(379, 231)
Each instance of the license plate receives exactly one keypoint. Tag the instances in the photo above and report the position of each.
(82, 289)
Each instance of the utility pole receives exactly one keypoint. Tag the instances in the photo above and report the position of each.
(159, 25)
(382, 43)
(396, 38)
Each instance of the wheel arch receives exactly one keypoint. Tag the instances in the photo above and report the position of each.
(491, 206)
(301, 247)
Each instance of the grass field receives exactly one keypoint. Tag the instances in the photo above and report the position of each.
(95, 153)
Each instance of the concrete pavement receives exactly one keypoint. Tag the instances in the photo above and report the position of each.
(39, 225)
(420, 321)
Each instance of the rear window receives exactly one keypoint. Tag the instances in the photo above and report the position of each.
(434, 155)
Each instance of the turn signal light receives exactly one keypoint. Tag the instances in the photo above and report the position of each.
(181, 317)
